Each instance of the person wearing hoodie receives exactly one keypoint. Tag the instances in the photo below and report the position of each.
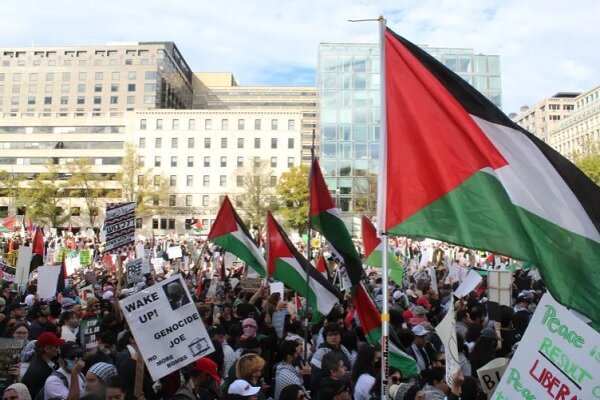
(286, 373)
(203, 383)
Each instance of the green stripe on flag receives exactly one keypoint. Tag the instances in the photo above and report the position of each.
(233, 245)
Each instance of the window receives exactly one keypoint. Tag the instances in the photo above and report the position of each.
(130, 100)
(273, 124)
(273, 162)
(240, 143)
(31, 100)
(131, 87)
(173, 180)
(115, 76)
(207, 143)
(273, 143)
(256, 161)
(205, 180)
(154, 223)
(222, 180)
(290, 161)
(239, 181)
(156, 180)
(241, 124)
(82, 76)
(142, 143)
(190, 161)
(172, 200)
(64, 100)
(142, 124)
(173, 161)
(207, 161)
(64, 88)
(141, 161)
(238, 201)
(290, 143)
(208, 124)
(171, 223)
(138, 223)
(114, 87)
(205, 200)
(272, 180)
(159, 124)
(189, 180)
(223, 161)
(97, 100)
(140, 180)
(257, 123)
(192, 124)
(291, 124)
(81, 88)
(174, 143)
(16, 77)
(131, 75)
(114, 99)
(188, 200)
(224, 124)
(157, 161)
(240, 161)
(257, 143)
(50, 76)
(47, 100)
(175, 125)
(223, 142)
(99, 76)
(191, 143)
(148, 75)
(158, 143)
(149, 87)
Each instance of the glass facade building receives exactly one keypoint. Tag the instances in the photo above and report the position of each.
(348, 85)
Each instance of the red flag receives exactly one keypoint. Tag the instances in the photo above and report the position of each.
(9, 223)
(321, 265)
(70, 228)
(198, 224)
(62, 276)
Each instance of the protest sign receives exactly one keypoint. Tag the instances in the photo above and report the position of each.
(278, 322)
(50, 256)
(85, 257)
(84, 293)
(446, 330)
(7, 272)
(277, 287)
(166, 326)
(134, 271)
(90, 277)
(119, 223)
(88, 334)
(212, 289)
(10, 355)
(60, 253)
(490, 374)
(251, 284)
(47, 280)
(174, 252)
(433, 278)
(157, 264)
(146, 261)
(471, 281)
(23, 263)
(558, 358)
(499, 287)
(71, 265)
(140, 250)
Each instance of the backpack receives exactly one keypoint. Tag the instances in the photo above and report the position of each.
(63, 379)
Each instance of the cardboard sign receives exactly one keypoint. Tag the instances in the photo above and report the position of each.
(88, 334)
(119, 224)
(558, 358)
(166, 326)
(10, 354)
(23, 263)
(85, 257)
(490, 374)
(47, 280)
(251, 284)
(134, 271)
(446, 330)
(499, 287)
(174, 252)
(7, 272)
(471, 281)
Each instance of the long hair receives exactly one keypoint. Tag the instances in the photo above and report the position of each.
(365, 363)
(248, 363)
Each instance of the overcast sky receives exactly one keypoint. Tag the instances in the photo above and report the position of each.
(545, 46)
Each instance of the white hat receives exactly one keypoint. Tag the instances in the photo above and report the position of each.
(419, 330)
(108, 295)
(242, 388)
(411, 293)
(29, 299)
(397, 294)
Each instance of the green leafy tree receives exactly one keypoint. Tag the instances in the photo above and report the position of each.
(10, 187)
(365, 193)
(45, 198)
(258, 193)
(588, 160)
(85, 184)
(149, 192)
(292, 190)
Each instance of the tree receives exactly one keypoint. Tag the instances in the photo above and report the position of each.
(258, 193)
(149, 192)
(588, 160)
(365, 193)
(10, 187)
(44, 198)
(87, 186)
(293, 193)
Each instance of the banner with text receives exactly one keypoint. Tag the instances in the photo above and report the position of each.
(558, 358)
(166, 326)
(119, 224)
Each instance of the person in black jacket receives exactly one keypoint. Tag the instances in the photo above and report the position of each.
(47, 346)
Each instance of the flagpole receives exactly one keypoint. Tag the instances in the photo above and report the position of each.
(309, 251)
(385, 316)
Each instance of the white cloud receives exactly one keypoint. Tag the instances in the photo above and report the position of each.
(545, 46)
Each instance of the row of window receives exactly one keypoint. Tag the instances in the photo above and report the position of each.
(82, 76)
(79, 100)
(189, 180)
(191, 142)
(63, 129)
(241, 124)
(80, 88)
(206, 162)
(188, 201)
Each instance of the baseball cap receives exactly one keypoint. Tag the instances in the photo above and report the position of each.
(397, 294)
(419, 330)
(208, 366)
(67, 303)
(411, 293)
(49, 339)
(242, 388)
(423, 301)
(489, 333)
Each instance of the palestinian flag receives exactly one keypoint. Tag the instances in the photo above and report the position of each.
(37, 259)
(62, 276)
(198, 226)
(325, 218)
(229, 232)
(374, 252)
(370, 322)
(8, 224)
(322, 265)
(470, 176)
(287, 265)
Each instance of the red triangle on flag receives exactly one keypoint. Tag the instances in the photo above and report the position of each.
(277, 246)
(321, 264)
(320, 198)
(9, 223)
(369, 236)
(38, 242)
(226, 221)
(198, 224)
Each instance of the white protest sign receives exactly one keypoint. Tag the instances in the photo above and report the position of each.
(119, 223)
(499, 287)
(174, 252)
(166, 326)
(23, 263)
(433, 277)
(157, 264)
(278, 322)
(47, 279)
(234, 282)
(558, 358)
(146, 261)
(72, 264)
(490, 374)
(134, 271)
(212, 289)
(139, 250)
(446, 330)
(277, 287)
(84, 293)
(468, 284)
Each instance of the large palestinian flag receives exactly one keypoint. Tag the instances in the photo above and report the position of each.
(374, 252)
(287, 265)
(470, 176)
(229, 232)
(325, 217)
(370, 322)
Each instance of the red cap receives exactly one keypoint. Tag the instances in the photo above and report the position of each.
(423, 301)
(407, 315)
(209, 366)
(49, 339)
